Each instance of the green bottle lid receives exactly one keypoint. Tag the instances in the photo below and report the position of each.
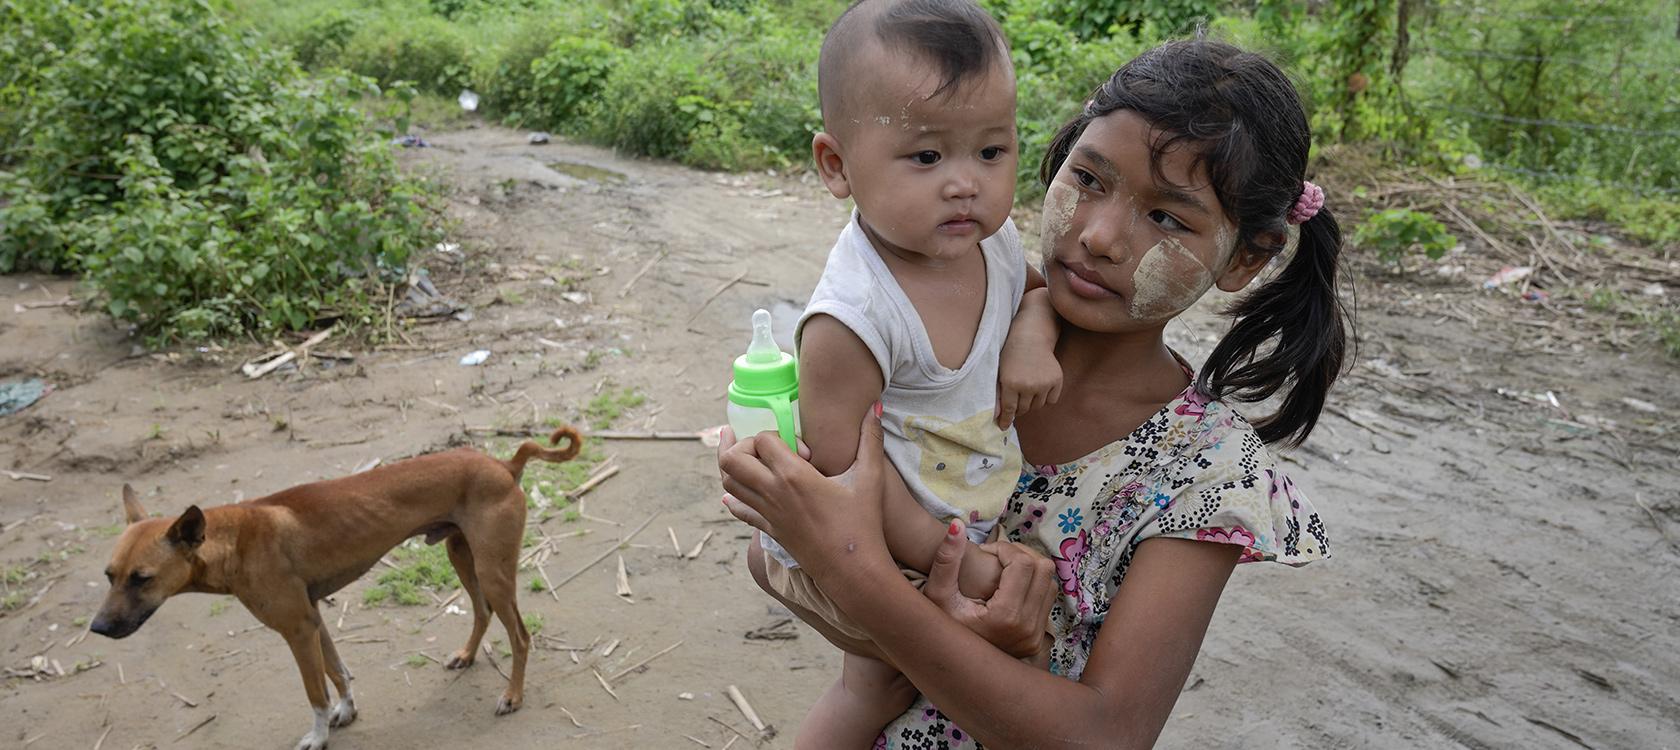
(765, 373)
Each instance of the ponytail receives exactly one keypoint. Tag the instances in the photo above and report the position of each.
(1301, 308)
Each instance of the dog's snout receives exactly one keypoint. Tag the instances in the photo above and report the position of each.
(102, 626)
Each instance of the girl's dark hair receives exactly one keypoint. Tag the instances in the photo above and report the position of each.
(1244, 120)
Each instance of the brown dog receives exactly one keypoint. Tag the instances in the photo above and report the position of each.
(282, 553)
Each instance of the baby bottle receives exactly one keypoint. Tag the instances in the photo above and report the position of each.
(765, 392)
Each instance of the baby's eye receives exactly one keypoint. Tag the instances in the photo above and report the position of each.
(991, 153)
(926, 158)
(1166, 221)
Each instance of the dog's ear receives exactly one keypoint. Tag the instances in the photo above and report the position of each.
(131, 505)
(188, 531)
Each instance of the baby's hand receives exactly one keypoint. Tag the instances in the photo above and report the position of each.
(1028, 377)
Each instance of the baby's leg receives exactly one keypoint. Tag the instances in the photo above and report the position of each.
(850, 714)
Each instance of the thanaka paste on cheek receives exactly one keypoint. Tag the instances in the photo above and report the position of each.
(1060, 201)
(1167, 281)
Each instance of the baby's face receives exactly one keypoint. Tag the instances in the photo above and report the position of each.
(932, 176)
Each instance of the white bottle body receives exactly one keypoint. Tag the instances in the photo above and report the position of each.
(747, 421)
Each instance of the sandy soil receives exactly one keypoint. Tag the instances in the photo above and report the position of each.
(1497, 581)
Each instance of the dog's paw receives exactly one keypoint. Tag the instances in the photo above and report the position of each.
(461, 660)
(507, 705)
(342, 714)
(312, 742)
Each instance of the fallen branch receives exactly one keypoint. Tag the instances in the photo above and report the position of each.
(196, 727)
(593, 482)
(254, 371)
(19, 475)
(644, 662)
(693, 553)
(607, 553)
(724, 287)
(1639, 500)
(648, 266)
(740, 702)
(604, 685)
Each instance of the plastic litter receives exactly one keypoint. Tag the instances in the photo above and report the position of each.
(410, 141)
(468, 100)
(17, 395)
(476, 358)
(538, 138)
(1507, 275)
(1653, 289)
(1536, 295)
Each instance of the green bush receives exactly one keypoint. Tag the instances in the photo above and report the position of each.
(508, 82)
(1399, 232)
(742, 96)
(567, 78)
(321, 40)
(426, 50)
(204, 186)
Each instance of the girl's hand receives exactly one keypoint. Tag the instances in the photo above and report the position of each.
(811, 515)
(1016, 616)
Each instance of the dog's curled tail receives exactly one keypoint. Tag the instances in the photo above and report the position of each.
(529, 450)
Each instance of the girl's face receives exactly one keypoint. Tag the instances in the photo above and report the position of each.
(1125, 251)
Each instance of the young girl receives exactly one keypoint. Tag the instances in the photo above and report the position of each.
(1185, 171)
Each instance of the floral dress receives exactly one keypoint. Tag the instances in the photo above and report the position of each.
(1196, 470)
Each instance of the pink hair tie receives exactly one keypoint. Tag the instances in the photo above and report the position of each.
(1306, 206)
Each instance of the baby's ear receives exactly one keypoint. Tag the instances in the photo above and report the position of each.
(831, 165)
(1248, 261)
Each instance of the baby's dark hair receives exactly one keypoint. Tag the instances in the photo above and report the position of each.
(1244, 119)
(957, 36)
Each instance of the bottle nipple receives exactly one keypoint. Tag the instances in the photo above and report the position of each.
(763, 348)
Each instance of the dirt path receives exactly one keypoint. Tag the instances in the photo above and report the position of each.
(1497, 582)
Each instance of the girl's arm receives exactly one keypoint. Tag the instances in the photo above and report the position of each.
(1028, 375)
(1138, 665)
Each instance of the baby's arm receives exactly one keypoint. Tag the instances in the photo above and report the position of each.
(838, 382)
(1028, 375)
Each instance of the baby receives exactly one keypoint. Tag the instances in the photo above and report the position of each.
(913, 309)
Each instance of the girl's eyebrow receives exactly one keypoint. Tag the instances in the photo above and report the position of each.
(1175, 195)
(1164, 192)
(1102, 163)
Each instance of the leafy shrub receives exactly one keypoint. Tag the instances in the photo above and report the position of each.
(427, 50)
(508, 83)
(740, 97)
(568, 77)
(322, 39)
(1397, 232)
(1096, 19)
(649, 21)
(204, 186)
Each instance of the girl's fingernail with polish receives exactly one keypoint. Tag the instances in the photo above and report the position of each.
(955, 529)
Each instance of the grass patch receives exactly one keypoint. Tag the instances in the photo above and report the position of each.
(217, 607)
(533, 623)
(537, 586)
(417, 660)
(419, 567)
(607, 407)
(11, 601)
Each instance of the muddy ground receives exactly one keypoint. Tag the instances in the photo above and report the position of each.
(1505, 570)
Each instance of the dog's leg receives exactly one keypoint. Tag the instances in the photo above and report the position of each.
(496, 559)
(344, 711)
(304, 635)
(461, 556)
